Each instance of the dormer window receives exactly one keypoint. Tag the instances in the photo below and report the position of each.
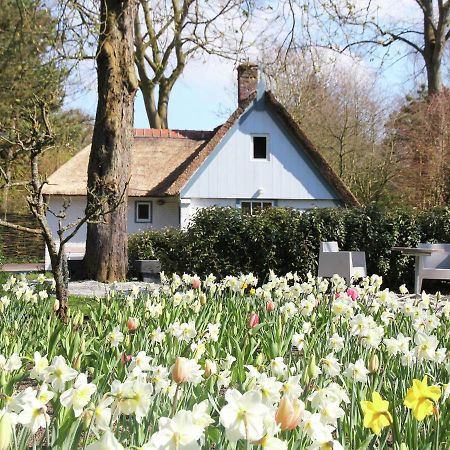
(260, 150)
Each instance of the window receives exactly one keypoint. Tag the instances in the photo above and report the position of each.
(260, 147)
(255, 207)
(143, 211)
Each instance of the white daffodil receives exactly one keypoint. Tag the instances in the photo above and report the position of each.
(243, 415)
(107, 442)
(426, 346)
(34, 416)
(132, 397)
(330, 413)
(6, 429)
(298, 339)
(273, 443)
(40, 364)
(292, 387)
(331, 365)
(312, 425)
(336, 342)
(357, 371)
(141, 361)
(270, 389)
(13, 363)
(178, 433)
(44, 395)
(115, 337)
(278, 366)
(102, 414)
(79, 395)
(58, 373)
(200, 415)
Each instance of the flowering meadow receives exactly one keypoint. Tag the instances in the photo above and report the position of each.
(229, 364)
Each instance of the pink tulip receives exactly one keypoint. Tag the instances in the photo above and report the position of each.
(126, 359)
(132, 323)
(270, 306)
(196, 283)
(352, 293)
(254, 320)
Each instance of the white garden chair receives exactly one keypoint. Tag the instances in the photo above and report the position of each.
(345, 264)
(433, 267)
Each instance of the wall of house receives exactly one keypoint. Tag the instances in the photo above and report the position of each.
(191, 205)
(230, 172)
(163, 215)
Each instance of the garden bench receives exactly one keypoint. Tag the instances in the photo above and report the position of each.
(435, 266)
(148, 269)
(346, 264)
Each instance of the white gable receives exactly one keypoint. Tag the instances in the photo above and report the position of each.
(231, 172)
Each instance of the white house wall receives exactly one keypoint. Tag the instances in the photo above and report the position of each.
(190, 206)
(163, 215)
(231, 172)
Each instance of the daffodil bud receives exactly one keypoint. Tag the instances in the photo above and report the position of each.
(210, 368)
(259, 359)
(56, 305)
(403, 446)
(202, 298)
(313, 370)
(289, 413)
(87, 419)
(374, 363)
(77, 362)
(6, 430)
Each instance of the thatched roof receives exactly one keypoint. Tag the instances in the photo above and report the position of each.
(158, 159)
(163, 161)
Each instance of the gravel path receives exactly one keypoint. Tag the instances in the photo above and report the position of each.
(97, 289)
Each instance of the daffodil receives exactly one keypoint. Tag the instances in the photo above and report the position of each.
(376, 413)
(420, 398)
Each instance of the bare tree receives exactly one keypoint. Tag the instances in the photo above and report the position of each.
(345, 25)
(170, 32)
(339, 109)
(31, 143)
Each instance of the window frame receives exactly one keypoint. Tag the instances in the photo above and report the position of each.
(252, 151)
(261, 204)
(137, 203)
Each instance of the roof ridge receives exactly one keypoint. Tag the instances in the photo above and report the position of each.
(172, 133)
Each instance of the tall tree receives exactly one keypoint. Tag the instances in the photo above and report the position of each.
(424, 30)
(27, 33)
(420, 137)
(106, 257)
(170, 32)
(339, 110)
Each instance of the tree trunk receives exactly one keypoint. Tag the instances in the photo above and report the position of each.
(106, 256)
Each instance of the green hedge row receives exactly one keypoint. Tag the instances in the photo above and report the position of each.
(223, 241)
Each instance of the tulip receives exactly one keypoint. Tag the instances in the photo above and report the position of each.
(56, 305)
(270, 306)
(202, 298)
(352, 293)
(374, 363)
(289, 413)
(126, 359)
(179, 371)
(210, 368)
(196, 283)
(132, 323)
(254, 320)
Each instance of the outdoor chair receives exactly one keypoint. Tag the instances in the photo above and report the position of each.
(346, 264)
(435, 266)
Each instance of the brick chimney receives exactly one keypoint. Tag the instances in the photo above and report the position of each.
(247, 81)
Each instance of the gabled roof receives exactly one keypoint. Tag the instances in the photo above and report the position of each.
(163, 161)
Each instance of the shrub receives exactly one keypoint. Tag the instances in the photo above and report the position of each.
(223, 241)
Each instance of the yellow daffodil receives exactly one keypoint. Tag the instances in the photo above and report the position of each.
(420, 398)
(376, 414)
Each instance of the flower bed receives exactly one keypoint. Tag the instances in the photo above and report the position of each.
(202, 364)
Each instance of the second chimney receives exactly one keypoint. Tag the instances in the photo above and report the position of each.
(247, 81)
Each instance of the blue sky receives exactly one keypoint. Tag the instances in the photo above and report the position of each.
(206, 92)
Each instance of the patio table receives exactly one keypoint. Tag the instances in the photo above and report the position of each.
(417, 253)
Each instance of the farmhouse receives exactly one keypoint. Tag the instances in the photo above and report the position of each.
(259, 158)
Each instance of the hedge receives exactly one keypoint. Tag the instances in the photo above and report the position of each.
(223, 241)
